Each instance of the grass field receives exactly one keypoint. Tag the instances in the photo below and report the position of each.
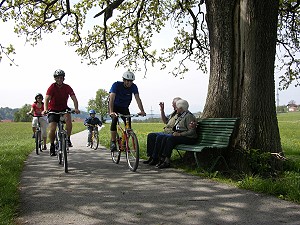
(16, 144)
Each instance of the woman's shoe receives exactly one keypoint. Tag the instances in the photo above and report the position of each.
(153, 162)
(164, 165)
(159, 163)
(148, 161)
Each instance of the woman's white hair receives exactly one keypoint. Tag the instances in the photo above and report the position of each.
(182, 104)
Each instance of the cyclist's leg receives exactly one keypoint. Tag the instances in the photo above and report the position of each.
(68, 124)
(43, 123)
(113, 134)
(89, 141)
(116, 155)
(69, 127)
(34, 126)
(53, 120)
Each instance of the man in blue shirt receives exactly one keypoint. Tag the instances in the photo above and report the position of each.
(120, 96)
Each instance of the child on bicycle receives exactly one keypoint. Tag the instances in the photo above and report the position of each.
(91, 120)
(36, 110)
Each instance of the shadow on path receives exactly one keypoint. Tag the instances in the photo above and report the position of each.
(97, 191)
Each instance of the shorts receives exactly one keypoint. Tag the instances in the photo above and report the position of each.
(121, 110)
(54, 117)
(43, 123)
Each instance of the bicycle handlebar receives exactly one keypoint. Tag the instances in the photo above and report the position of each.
(31, 114)
(61, 113)
(92, 125)
(127, 116)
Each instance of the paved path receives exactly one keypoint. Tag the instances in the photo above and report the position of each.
(96, 191)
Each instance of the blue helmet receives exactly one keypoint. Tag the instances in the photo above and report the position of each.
(92, 111)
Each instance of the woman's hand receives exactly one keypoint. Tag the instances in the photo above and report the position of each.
(176, 134)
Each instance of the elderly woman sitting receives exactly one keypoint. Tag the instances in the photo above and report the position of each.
(183, 133)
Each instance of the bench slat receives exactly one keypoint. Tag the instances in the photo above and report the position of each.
(212, 133)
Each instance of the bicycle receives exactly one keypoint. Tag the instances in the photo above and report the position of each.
(61, 139)
(126, 140)
(38, 136)
(94, 141)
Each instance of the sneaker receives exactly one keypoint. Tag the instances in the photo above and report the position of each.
(45, 147)
(113, 146)
(70, 143)
(52, 150)
(88, 144)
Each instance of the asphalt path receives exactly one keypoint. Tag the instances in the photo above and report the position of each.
(97, 191)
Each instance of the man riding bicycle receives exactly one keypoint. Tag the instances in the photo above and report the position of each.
(120, 96)
(56, 100)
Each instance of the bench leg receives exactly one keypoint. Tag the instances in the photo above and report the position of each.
(220, 157)
(179, 154)
(196, 159)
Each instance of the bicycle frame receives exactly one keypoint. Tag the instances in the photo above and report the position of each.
(62, 148)
(127, 142)
(38, 137)
(94, 139)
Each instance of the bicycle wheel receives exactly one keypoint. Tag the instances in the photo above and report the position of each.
(132, 151)
(116, 155)
(64, 152)
(37, 141)
(95, 140)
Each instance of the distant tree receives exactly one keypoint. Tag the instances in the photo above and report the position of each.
(281, 109)
(7, 113)
(21, 114)
(100, 103)
(292, 102)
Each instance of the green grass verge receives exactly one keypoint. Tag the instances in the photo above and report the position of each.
(15, 146)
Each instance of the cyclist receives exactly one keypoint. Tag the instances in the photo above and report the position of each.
(36, 110)
(56, 100)
(91, 120)
(120, 96)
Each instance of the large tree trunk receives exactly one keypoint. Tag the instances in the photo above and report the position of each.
(243, 44)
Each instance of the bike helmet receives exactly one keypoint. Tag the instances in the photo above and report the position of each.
(38, 95)
(128, 76)
(92, 111)
(59, 72)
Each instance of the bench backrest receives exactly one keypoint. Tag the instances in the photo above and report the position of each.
(215, 131)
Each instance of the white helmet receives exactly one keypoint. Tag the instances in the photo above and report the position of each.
(128, 75)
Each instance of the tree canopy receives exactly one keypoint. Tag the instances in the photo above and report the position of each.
(126, 29)
(100, 103)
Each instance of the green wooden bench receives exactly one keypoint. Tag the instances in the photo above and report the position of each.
(213, 134)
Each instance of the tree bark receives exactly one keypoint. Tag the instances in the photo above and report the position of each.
(242, 37)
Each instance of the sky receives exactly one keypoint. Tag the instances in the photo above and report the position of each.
(36, 65)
